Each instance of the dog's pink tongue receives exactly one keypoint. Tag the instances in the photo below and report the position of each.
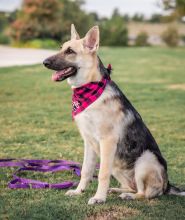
(57, 75)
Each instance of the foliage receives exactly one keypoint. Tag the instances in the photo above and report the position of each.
(3, 21)
(37, 43)
(138, 17)
(126, 17)
(183, 38)
(48, 19)
(4, 39)
(38, 18)
(171, 36)
(114, 31)
(156, 18)
(72, 13)
(35, 118)
(43, 19)
(142, 39)
(177, 7)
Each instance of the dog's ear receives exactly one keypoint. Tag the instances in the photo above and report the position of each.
(91, 40)
(74, 34)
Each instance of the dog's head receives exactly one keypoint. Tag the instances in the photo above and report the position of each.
(77, 60)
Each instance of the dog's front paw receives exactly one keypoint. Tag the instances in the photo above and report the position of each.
(95, 200)
(73, 192)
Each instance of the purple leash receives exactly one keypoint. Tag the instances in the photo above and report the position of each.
(39, 166)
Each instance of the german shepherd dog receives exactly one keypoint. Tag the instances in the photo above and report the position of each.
(111, 128)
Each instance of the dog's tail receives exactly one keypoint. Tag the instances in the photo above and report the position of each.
(173, 190)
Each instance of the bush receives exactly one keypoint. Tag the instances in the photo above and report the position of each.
(114, 32)
(171, 36)
(37, 19)
(183, 38)
(43, 43)
(37, 43)
(142, 39)
(4, 39)
(49, 19)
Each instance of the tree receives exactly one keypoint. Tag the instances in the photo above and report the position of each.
(138, 17)
(126, 17)
(95, 16)
(171, 36)
(155, 18)
(176, 6)
(114, 31)
(49, 19)
(37, 19)
(3, 21)
(142, 39)
(72, 13)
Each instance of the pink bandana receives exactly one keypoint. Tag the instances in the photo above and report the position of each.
(87, 94)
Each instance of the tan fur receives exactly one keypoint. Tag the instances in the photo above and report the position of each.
(147, 178)
(124, 176)
(149, 175)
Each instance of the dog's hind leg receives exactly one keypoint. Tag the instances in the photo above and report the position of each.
(121, 190)
(140, 192)
(125, 178)
(147, 187)
(150, 178)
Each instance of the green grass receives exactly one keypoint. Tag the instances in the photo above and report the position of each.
(35, 122)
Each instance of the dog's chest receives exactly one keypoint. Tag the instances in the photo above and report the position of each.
(98, 120)
(88, 124)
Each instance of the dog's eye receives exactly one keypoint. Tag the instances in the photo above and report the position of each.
(69, 51)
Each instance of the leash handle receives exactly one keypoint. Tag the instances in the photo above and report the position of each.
(39, 166)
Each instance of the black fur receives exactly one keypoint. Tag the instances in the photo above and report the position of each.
(136, 137)
(103, 70)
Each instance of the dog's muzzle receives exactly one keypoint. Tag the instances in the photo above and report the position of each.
(63, 69)
(47, 63)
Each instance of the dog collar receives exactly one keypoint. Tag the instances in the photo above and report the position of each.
(87, 94)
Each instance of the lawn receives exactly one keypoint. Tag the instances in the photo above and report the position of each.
(35, 122)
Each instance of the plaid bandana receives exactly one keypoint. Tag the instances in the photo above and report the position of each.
(87, 94)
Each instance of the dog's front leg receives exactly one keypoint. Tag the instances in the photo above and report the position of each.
(107, 153)
(88, 167)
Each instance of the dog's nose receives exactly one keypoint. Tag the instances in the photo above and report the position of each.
(47, 62)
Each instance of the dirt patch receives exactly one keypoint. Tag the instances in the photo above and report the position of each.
(114, 213)
(177, 86)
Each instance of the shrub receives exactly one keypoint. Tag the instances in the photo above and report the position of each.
(43, 43)
(171, 36)
(37, 19)
(142, 39)
(4, 39)
(114, 32)
(183, 38)
(49, 19)
(37, 43)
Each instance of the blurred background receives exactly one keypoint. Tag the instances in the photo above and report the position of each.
(45, 23)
